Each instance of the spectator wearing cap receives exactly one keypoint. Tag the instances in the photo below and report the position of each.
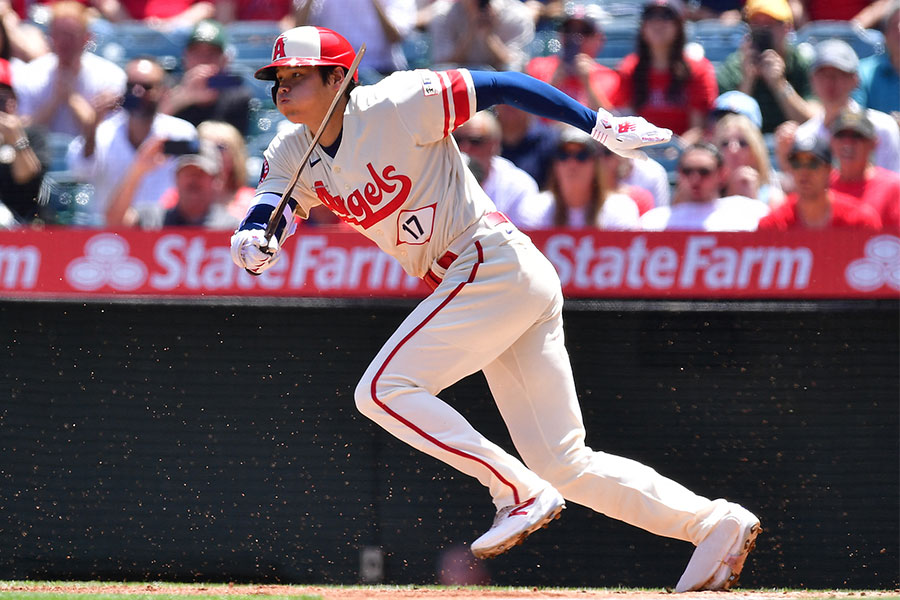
(742, 147)
(124, 155)
(482, 34)
(813, 205)
(503, 182)
(69, 89)
(852, 141)
(23, 156)
(699, 205)
(660, 82)
(574, 70)
(767, 67)
(834, 76)
(207, 91)
(736, 103)
(879, 74)
(577, 195)
(196, 194)
(381, 24)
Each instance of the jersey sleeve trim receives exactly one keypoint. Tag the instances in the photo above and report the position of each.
(458, 95)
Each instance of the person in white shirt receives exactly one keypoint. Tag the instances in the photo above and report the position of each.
(698, 203)
(106, 156)
(577, 196)
(507, 185)
(69, 89)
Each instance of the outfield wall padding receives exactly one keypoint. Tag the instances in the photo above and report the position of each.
(220, 442)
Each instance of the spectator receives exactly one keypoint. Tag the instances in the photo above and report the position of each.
(105, 156)
(381, 24)
(852, 140)
(833, 78)
(20, 41)
(206, 90)
(504, 183)
(69, 89)
(574, 70)
(813, 205)
(742, 145)
(577, 195)
(699, 204)
(197, 190)
(767, 67)
(731, 103)
(483, 34)
(169, 14)
(230, 11)
(864, 13)
(22, 155)
(660, 82)
(614, 169)
(526, 141)
(879, 74)
(236, 195)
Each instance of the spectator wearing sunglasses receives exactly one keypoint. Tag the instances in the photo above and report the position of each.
(813, 204)
(504, 183)
(577, 194)
(699, 205)
(659, 81)
(743, 149)
(574, 69)
(853, 139)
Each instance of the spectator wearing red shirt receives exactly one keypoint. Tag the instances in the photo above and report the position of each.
(659, 81)
(574, 70)
(813, 205)
(853, 138)
(162, 13)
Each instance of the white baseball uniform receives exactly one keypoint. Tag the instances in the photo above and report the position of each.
(399, 179)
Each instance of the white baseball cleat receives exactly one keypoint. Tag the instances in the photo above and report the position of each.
(717, 561)
(515, 523)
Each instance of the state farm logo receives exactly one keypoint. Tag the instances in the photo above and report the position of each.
(881, 266)
(106, 262)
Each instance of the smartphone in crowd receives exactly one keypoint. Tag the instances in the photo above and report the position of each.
(224, 81)
(180, 147)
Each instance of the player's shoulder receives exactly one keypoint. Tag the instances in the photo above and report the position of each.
(403, 86)
(290, 135)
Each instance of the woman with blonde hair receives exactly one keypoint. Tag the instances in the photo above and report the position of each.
(236, 195)
(577, 194)
(741, 144)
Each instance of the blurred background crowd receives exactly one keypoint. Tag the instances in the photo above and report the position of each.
(145, 113)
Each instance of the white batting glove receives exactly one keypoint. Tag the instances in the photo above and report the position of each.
(623, 135)
(250, 250)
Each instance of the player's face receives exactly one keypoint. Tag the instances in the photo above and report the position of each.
(302, 96)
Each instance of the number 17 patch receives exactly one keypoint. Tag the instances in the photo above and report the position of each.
(415, 226)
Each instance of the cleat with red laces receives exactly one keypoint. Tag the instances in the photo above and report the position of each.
(515, 523)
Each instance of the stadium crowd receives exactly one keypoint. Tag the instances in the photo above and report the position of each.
(145, 113)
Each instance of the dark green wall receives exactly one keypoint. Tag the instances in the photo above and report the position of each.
(220, 442)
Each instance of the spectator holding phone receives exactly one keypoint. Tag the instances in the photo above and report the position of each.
(125, 153)
(196, 194)
(207, 91)
(574, 70)
(768, 68)
(662, 83)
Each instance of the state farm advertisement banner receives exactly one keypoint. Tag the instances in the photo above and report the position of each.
(64, 262)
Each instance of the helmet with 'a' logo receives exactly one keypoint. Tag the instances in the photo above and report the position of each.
(308, 46)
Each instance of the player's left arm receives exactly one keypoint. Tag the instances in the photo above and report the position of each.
(622, 135)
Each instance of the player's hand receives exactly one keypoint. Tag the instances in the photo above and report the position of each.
(623, 135)
(251, 251)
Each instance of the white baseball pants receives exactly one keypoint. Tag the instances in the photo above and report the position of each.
(499, 310)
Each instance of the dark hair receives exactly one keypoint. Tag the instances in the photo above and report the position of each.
(678, 67)
(706, 147)
(5, 47)
(326, 71)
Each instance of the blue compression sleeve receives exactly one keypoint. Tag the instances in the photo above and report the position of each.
(531, 95)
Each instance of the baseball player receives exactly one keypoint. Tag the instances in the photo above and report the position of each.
(387, 165)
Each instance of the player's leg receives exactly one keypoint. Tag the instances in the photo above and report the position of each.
(533, 385)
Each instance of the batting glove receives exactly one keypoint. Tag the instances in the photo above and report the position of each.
(251, 250)
(623, 135)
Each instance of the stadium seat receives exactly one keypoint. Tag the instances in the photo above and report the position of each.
(417, 49)
(716, 39)
(57, 147)
(130, 39)
(667, 155)
(865, 42)
(62, 200)
(621, 40)
(251, 40)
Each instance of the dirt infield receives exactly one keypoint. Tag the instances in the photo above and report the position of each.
(418, 593)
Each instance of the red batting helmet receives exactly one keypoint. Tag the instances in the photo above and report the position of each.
(313, 46)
